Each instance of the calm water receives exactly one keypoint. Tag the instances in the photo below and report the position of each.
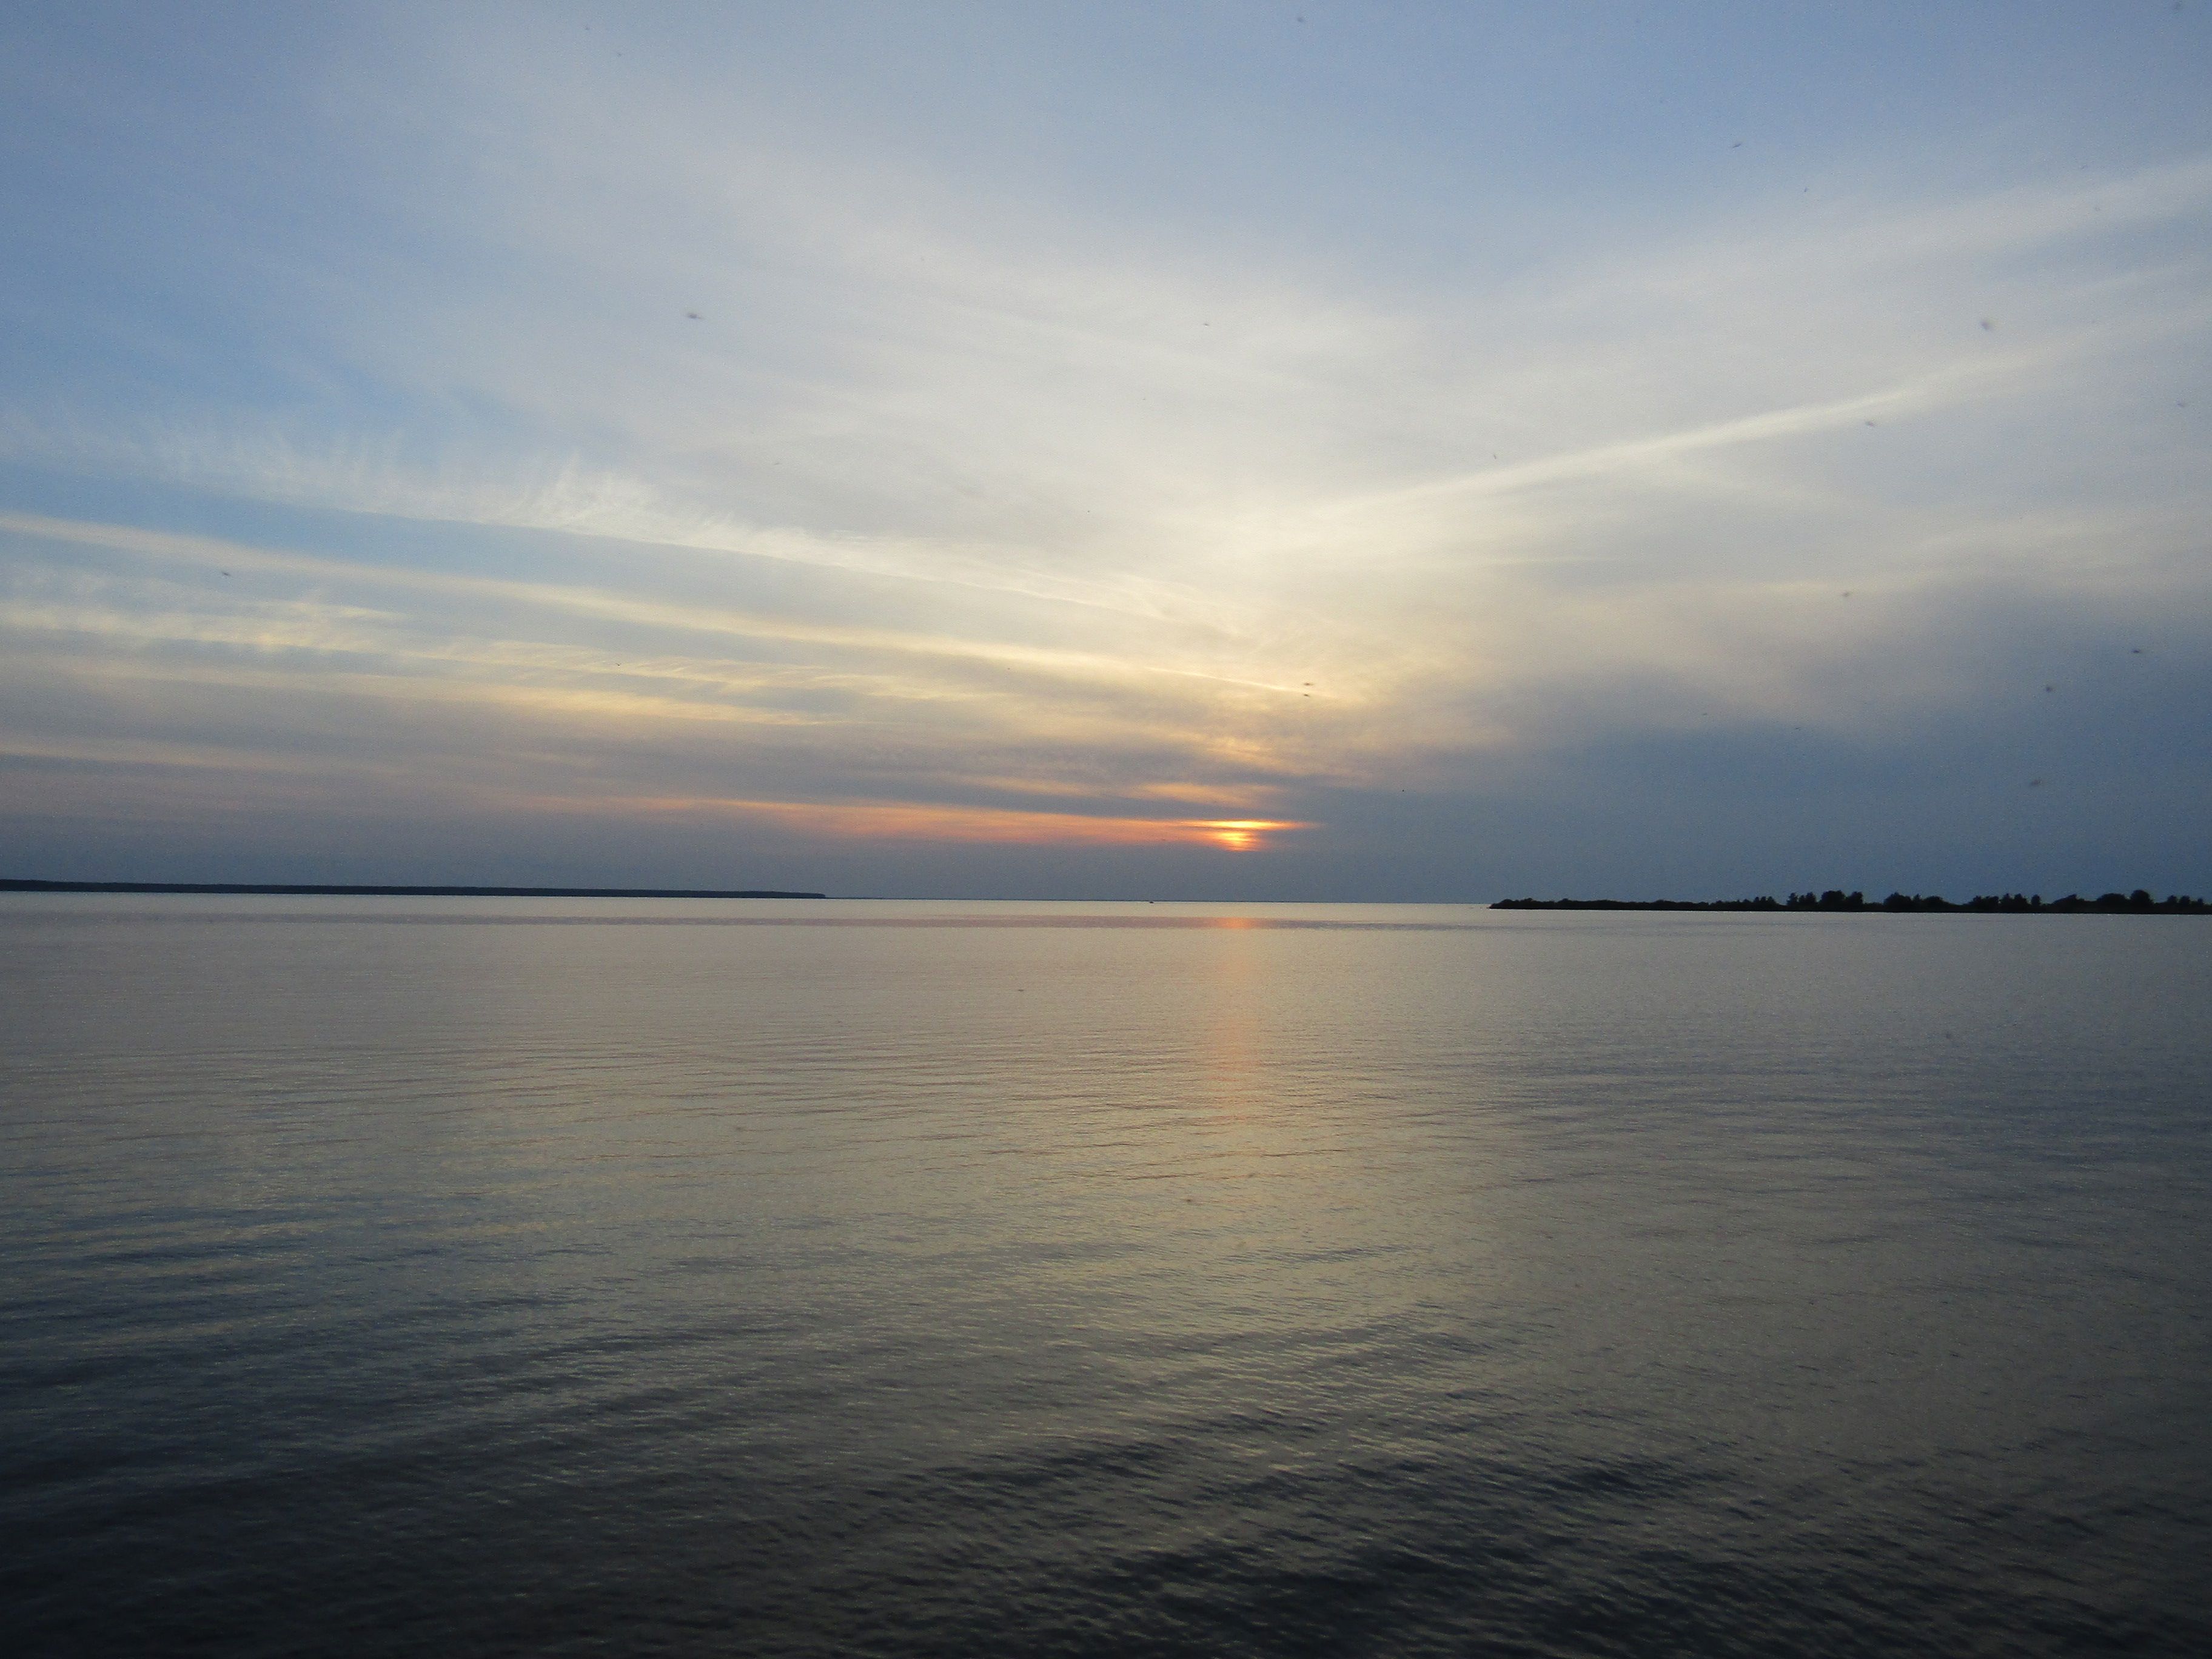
(401, 1276)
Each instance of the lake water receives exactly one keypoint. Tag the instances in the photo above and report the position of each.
(404, 1276)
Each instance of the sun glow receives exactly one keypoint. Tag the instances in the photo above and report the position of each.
(924, 822)
(1241, 835)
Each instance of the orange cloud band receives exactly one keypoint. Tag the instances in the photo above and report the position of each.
(915, 821)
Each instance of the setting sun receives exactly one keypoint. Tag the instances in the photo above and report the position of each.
(1241, 835)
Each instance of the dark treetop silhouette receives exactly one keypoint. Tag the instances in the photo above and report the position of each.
(2137, 904)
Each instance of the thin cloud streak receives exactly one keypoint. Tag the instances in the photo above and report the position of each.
(603, 606)
(920, 822)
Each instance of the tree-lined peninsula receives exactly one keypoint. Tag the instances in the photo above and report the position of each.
(2137, 904)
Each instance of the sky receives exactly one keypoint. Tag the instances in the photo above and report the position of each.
(1242, 451)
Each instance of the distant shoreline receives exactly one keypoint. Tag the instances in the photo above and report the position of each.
(2137, 904)
(323, 889)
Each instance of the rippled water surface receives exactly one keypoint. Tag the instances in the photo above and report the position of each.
(404, 1276)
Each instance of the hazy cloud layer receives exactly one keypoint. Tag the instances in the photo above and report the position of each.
(1103, 455)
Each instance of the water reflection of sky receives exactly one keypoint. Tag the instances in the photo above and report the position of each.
(883, 1280)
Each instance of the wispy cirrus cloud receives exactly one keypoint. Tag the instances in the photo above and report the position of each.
(714, 449)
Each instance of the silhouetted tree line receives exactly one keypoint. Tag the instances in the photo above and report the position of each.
(2138, 902)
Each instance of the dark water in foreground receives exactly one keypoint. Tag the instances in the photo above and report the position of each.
(402, 1276)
